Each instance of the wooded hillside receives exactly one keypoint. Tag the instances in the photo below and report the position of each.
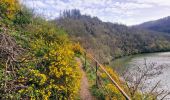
(160, 25)
(107, 41)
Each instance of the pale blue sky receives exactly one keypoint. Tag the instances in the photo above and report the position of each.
(127, 12)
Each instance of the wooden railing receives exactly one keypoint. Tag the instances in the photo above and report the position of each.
(99, 65)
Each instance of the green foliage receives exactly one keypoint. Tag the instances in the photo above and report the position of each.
(47, 69)
(111, 90)
(98, 92)
(53, 74)
(8, 9)
(105, 89)
(78, 50)
(23, 17)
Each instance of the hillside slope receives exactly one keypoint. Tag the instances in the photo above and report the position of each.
(36, 58)
(108, 40)
(160, 25)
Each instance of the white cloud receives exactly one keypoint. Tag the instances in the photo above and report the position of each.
(123, 11)
(157, 2)
(131, 5)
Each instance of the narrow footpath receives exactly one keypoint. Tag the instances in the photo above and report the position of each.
(84, 85)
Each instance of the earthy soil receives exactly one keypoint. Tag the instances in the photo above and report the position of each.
(84, 86)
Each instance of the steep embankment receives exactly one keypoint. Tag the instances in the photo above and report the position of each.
(36, 58)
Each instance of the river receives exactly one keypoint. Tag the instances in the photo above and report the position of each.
(158, 59)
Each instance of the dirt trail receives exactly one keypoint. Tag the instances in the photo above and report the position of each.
(84, 86)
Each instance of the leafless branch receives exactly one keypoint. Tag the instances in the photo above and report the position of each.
(137, 77)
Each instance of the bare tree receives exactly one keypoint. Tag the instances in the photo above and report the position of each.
(137, 79)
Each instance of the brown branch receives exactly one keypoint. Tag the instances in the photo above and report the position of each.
(165, 96)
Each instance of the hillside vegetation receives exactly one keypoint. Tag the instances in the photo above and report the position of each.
(36, 58)
(160, 25)
(107, 41)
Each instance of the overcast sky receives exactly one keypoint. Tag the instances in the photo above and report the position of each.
(127, 12)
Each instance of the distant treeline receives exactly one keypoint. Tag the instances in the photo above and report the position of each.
(107, 40)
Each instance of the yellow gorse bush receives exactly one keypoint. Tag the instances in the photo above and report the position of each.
(77, 48)
(64, 70)
(49, 70)
(112, 91)
(8, 8)
(38, 77)
(54, 73)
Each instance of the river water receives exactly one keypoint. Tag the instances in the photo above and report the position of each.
(159, 59)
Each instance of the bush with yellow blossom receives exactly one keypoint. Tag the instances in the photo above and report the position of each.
(53, 72)
(77, 48)
(8, 8)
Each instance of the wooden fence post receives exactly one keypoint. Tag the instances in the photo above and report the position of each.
(98, 65)
(85, 60)
(96, 75)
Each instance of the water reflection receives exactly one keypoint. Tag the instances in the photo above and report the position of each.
(159, 59)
